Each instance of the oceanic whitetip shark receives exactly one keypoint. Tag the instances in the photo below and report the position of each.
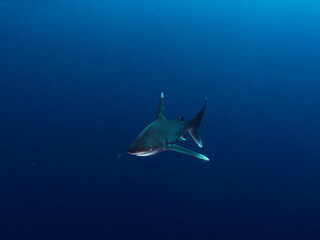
(160, 135)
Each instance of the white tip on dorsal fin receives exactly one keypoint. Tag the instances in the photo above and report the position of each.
(160, 113)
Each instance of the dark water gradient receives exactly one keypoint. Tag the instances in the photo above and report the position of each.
(80, 79)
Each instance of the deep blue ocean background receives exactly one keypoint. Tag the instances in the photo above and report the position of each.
(80, 79)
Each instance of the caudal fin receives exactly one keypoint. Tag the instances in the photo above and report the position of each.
(194, 125)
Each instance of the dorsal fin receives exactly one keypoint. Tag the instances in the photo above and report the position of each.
(160, 113)
(181, 118)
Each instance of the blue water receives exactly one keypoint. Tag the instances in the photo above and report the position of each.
(80, 79)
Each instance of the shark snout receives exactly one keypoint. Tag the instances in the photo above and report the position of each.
(134, 148)
(131, 149)
(139, 148)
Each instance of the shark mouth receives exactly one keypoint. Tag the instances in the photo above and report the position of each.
(143, 154)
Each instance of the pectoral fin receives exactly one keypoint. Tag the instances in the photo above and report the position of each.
(183, 137)
(183, 150)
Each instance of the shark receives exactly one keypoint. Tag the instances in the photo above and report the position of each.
(161, 134)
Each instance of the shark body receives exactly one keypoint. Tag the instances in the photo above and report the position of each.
(160, 135)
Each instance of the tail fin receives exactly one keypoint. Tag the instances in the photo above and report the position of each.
(194, 125)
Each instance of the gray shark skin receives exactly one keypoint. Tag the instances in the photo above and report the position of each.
(160, 135)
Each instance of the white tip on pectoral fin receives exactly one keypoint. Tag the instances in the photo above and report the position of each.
(203, 157)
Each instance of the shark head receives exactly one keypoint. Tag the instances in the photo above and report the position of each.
(143, 147)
